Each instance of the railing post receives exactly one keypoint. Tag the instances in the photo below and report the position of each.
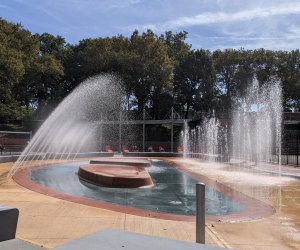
(297, 149)
(101, 133)
(200, 213)
(120, 132)
(144, 128)
(172, 130)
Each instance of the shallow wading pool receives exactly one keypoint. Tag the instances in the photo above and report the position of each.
(171, 197)
(173, 191)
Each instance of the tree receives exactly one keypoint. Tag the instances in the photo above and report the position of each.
(40, 85)
(159, 72)
(52, 45)
(149, 70)
(177, 47)
(194, 82)
(289, 73)
(264, 65)
(16, 48)
(42, 79)
(233, 75)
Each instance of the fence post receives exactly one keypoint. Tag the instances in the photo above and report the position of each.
(144, 128)
(200, 213)
(120, 131)
(297, 149)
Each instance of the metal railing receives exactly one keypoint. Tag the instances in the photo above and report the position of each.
(291, 150)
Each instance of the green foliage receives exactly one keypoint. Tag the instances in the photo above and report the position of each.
(233, 73)
(30, 70)
(149, 69)
(194, 82)
(13, 61)
(159, 72)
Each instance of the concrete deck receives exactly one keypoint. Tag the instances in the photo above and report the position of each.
(50, 222)
(111, 239)
(19, 245)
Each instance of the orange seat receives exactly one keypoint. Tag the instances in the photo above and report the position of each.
(179, 149)
(108, 149)
(125, 149)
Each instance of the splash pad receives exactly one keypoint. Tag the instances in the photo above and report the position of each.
(72, 129)
(250, 134)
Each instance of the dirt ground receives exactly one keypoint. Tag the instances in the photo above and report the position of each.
(50, 222)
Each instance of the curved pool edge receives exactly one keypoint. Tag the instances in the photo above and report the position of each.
(22, 178)
(254, 209)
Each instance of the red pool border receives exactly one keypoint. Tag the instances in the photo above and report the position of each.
(254, 209)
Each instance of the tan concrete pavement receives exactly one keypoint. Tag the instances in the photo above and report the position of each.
(281, 230)
(50, 222)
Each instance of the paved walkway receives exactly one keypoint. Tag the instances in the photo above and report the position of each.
(283, 170)
(111, 239)
(51, 222)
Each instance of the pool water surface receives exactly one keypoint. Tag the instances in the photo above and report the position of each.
(173, 191)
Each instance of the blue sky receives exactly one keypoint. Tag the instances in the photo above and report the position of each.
(211, 24)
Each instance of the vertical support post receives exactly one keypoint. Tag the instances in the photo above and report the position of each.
(297, 149)
(120, 132)
(101, 133)
(101, 140)
(200, 213)
(144, 128)
(277, 156)
(172, 130)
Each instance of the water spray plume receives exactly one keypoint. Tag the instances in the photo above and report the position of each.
(72, 127)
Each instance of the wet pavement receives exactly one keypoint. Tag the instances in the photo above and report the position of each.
(50, 221)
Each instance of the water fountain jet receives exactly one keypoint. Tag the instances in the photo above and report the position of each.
(72, 127)
(255, 129)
